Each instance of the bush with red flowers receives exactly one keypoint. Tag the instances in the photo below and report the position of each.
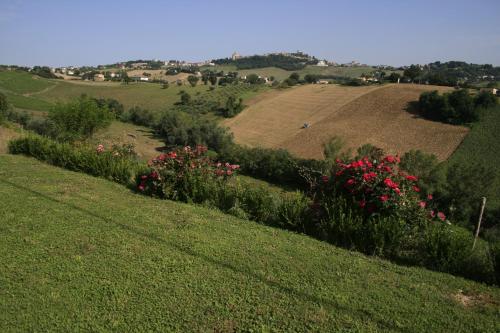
(378, 188)
(185, 174)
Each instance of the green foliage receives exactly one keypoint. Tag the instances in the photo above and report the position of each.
(139, 116)
(413, 72)
(394, 77)
(253, 79)
(370, 151)
(182, 129)
(82, 159)
(232, 107)
(4, 107)
(456, 107)
(286, 62)
(485, 99)
(78, 119)
(424, 166)
(461, 194)
(112, 104)
(333, 148)
(193, 80)
(311, 78)
(185, 97)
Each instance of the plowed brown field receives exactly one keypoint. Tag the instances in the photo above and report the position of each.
(359, 115)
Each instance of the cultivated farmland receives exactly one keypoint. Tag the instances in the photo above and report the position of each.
(359, 115)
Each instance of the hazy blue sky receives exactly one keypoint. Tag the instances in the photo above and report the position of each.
(57, 32)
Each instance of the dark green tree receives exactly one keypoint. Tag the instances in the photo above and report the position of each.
(193, 80)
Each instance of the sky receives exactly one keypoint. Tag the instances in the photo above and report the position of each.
(390, 32)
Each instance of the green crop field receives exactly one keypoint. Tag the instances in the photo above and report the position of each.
(482, 146)
(83, 254)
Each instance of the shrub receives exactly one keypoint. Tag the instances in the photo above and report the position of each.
(182, 129)
(449, 249)
(186, 175)
(332, 149)
(376, 187)
(113, 105)
(139, 116)
(96, 162)
(79, 119)
(370, 151)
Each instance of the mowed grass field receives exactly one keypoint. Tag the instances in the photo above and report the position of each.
(83, 254)
(373, 114)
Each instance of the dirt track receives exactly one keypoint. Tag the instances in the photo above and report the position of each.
(359, 115)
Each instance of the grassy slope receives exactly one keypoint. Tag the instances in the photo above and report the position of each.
(18, 87)
(80, 253)
(482, 145)
(23, 82)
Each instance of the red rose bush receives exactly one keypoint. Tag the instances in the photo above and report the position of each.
(185, 174)
(378, 188)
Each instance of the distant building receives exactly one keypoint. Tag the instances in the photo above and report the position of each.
(322, 63)
(235, 56)
(99, 77)
(323, 82)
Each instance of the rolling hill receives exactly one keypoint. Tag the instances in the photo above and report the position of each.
(83, 254)
(372, 114)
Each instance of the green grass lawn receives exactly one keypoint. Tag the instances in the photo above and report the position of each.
(482, 145)
(79, 253)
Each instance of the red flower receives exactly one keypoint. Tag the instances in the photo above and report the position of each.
(229, 172)
(369, 176)
(429, 197)
(154, 175)
(416, 188)
(350, 181)
(389, 183)
(144, 177)
(387, 169)
(412, 178)
(384, 197)
(432, 213)
(397, 190)
(422, 204)
(325, 179)
(362, 203)
(441, 216)
(391, 159)
(141, 187)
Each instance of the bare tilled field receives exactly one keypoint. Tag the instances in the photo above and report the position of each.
(272, 121)
(359, 115)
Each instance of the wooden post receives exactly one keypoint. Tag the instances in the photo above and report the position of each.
(479, 222)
